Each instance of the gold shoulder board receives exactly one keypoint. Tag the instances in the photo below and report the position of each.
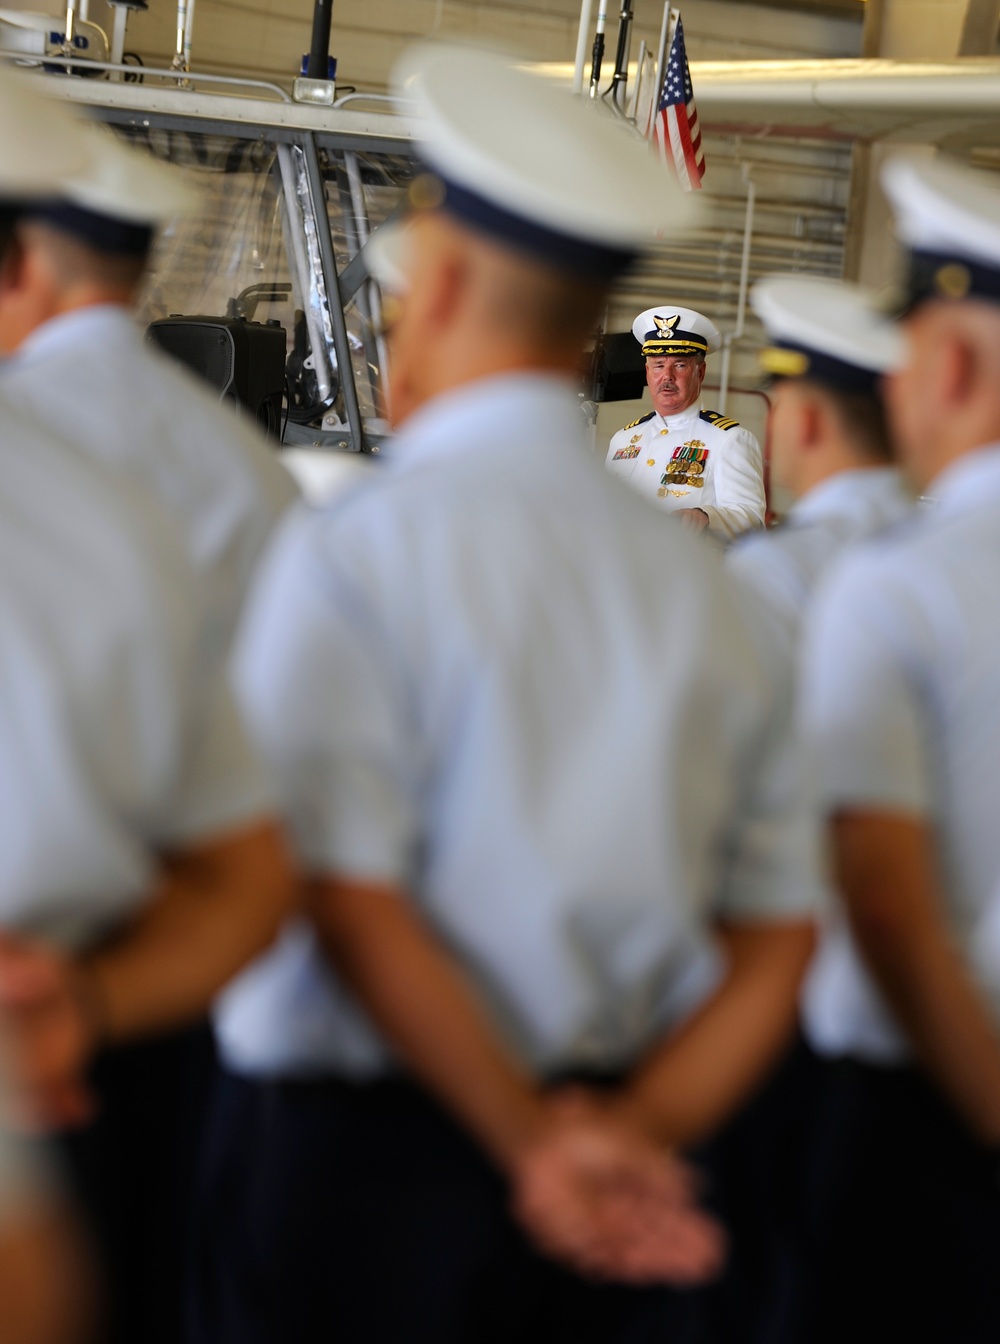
(641, 421)
(718, 420)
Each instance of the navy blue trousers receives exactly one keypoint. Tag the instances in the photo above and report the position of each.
(133, 1172)
(363, 1214)
(877, 1213)
(758, 1167)
(903, 1215)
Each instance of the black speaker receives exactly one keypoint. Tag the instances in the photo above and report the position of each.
(245, 361)
(618, 370)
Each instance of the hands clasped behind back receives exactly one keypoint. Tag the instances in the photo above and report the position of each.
(598, 1196)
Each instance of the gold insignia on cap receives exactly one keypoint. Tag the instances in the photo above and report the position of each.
(426, 192)
(664, 340)
(953, 281)
(783, 363)
(667, 326)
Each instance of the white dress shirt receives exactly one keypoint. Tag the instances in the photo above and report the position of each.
(492, 677)
(901, 673)
(686, 461)
(119, 736)
(784, 568)
(785, 565)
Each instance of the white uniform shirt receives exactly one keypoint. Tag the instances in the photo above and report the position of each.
(493, 677)
(89, 376)
(901, 674)
(694, 460)
(784, 566)
(119, 738)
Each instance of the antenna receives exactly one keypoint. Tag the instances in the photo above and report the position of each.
(621, 56)
(598, 56)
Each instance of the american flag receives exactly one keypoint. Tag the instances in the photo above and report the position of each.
(675, 128)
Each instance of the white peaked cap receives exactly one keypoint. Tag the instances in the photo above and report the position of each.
(128, 183)
(828, 317)
(676, 327)
(522, 158)
(44, 143)
(387, 255)
(943, 207)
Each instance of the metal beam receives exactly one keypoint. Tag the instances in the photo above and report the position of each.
(345, 364)
(930, 29)
(979, 31)
(356, 272)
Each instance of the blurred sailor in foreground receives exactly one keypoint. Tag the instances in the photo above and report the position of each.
(527, 780)
(830, 449)
(139, 865)
(694, 462)
(79, 367)
(900, 697)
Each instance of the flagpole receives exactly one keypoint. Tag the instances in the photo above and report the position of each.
(583, 33)
(670, 17)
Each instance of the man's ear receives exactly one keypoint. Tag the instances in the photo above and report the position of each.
(702, 366)
(445, 286)
(804, 414)
(810, 413)
(956, 365)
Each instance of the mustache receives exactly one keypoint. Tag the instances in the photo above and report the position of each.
(667, 387)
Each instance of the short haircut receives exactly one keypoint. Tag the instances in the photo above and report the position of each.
(75, 260)
(863, 419)
(544, 307)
